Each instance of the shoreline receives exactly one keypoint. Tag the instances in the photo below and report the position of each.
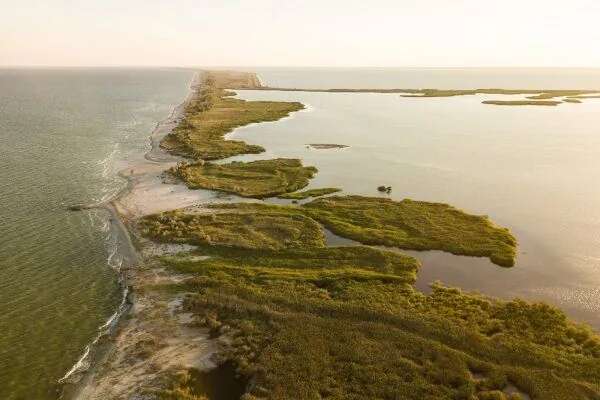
(80, 376)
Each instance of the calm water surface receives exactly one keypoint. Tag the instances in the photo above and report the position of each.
(63, 136)
(533, 169)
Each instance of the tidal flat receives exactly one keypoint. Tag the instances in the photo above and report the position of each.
(298, 319)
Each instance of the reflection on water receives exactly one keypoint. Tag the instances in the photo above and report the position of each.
(532, 169)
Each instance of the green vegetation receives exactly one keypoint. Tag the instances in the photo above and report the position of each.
(212, 113)
(233, 79)
(522, 102)
(327, 146)
(180, 389)
(300, 320)
(585, 97)
(258, 179)
(319, 264)
(557, 93)
(415, 225)
(315, 322)
(535, 94)
(309, 193)
(253, 230)
(406, 224)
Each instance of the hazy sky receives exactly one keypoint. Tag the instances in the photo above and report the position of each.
(301, 33)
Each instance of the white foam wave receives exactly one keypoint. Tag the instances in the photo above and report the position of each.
(83, 363)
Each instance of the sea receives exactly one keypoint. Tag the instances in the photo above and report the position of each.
(64, 136)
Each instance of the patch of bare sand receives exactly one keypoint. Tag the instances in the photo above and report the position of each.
(158, 339)
(153, 191)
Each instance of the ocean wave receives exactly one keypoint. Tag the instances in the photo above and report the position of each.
(83, 363)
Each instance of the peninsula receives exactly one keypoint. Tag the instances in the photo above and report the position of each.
(248, 294)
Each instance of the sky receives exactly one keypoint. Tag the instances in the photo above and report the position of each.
(337, 33)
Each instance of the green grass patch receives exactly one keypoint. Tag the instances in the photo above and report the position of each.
(213, 113)
(585, 97)
(234, 229)
(522, 102)
(557, 93)
(414, 225)
(258, 179)
(304, 263)
(309, 193)
(301, 320)
(406, 224)
(299, 327)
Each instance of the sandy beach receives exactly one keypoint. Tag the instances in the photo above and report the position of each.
(153, 337)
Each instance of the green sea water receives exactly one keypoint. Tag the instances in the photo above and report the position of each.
(64, 135)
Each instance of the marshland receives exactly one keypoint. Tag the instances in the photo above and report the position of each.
(296, 318)
(273, 267)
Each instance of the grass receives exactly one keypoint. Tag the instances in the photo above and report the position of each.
(522, 102)
(300, 320)
(406, 224)
(345, 323)
(309, 193)
(318, 264)
(557, 93)
(414, 225)
(233, 79)
(265, 230)
(257, 179)
(535, 94)
(213, 113)
(585, 97)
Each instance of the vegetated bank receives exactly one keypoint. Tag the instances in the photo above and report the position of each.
(298, 319)
(546, 96)
(258, 179)
(522, 102)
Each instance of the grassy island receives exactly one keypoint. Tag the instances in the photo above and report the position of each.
(585, 97)
(522, 102)
(235, 229)
(305, 321)
(258, 179)
(415, 225)
(309, 193)
(212, 113)
(533, 94)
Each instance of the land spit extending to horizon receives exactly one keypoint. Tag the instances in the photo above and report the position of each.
(245, 297)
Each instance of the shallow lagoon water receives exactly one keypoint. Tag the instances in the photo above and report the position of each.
(532, 169)
(64, 135)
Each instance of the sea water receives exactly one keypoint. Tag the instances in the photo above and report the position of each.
(64, 135)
